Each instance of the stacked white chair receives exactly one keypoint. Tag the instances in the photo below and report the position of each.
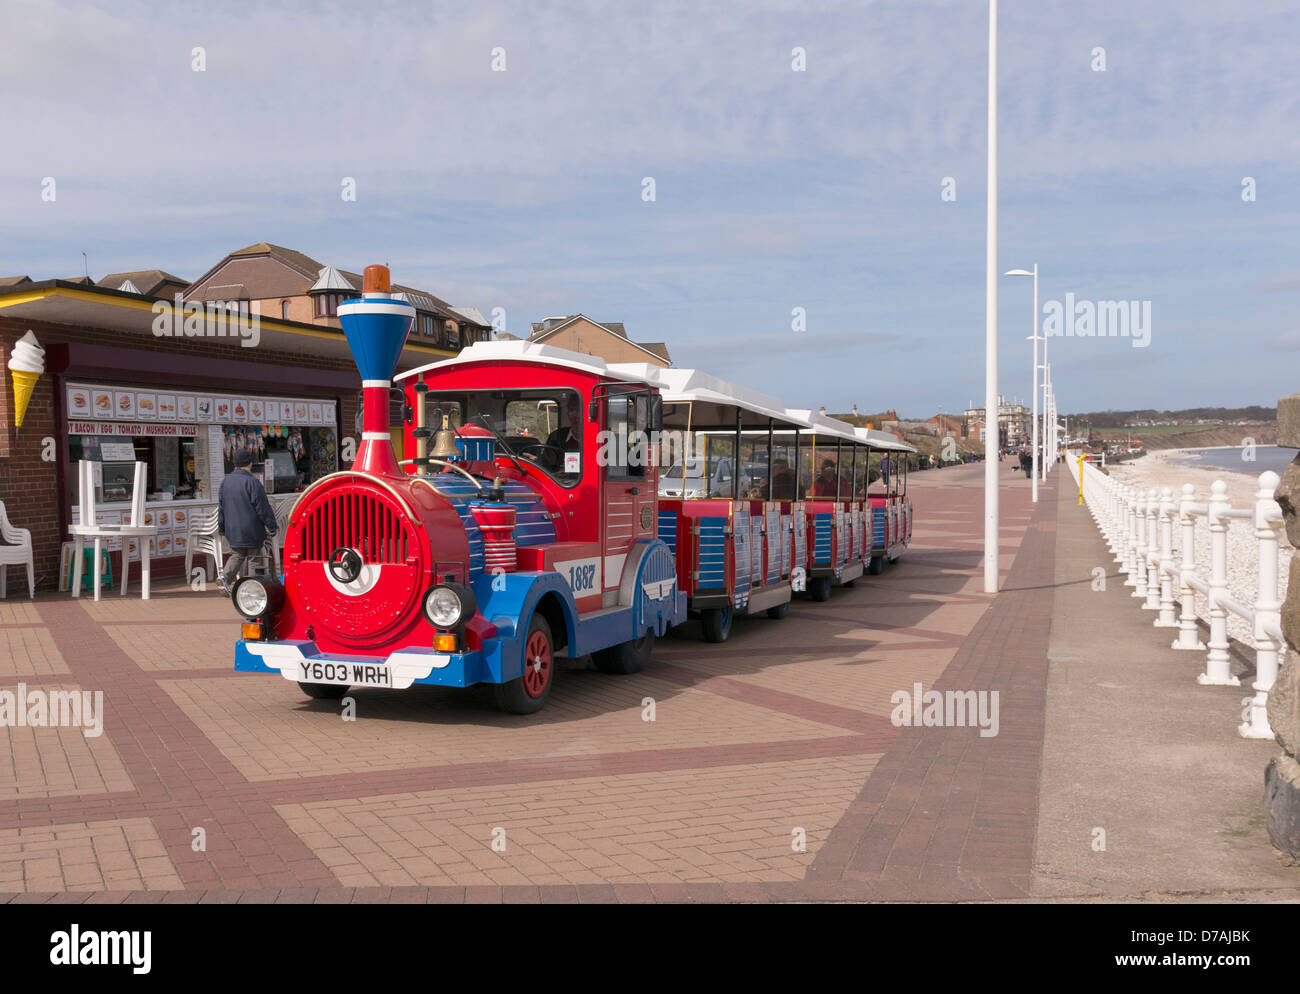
(204, 540)
(16, 550)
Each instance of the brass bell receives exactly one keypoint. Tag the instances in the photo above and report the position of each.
(444, 442)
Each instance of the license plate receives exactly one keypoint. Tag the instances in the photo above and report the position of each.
(345, 673)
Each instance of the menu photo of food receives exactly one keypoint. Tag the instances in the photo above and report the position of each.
(125, 400)
(102, 403)
(78, 402)
(164, 545)
(146, 406)
(166, 407)
(239, 411)
(286, 412)
(204, 409)
(257, 411)
(222, 408)
(185, 407)
(180, 518)
(299, 414)
(314, 413)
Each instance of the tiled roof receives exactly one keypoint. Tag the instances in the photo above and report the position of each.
(146, 281)
(306, 263)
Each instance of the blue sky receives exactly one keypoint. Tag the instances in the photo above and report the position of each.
(775, 189)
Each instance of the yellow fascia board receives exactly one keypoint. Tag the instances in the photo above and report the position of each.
(273, 324)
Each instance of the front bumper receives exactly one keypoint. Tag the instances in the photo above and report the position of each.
(296, 661)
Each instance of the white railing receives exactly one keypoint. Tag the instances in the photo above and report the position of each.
(1138, 527)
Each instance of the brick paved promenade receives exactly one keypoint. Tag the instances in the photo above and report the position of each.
(781, 733)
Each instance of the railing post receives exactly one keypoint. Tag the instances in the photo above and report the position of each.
(1188, 635)
(1217, 662)
(1116, 518)
(1153, 551)
(1268, 610)
(1130, 535)
(1167, 617)
(1139, 573)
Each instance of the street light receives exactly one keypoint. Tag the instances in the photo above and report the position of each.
(991, 465)
(1034, 338)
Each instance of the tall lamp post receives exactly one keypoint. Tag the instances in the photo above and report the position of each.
(1035, 339)
(1048, 417)
(991, 461)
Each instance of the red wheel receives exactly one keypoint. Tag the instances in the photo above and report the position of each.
(537, 664)
(527, 692)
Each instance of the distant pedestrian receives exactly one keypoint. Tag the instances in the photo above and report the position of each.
(244, 516)
(1027, 463)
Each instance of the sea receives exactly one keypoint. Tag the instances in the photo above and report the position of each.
(1267, 457)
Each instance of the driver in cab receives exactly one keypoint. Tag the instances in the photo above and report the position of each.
(565, 439)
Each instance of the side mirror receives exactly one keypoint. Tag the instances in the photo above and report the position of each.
(592, 410)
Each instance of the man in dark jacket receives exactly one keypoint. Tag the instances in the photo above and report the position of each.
(244, 516)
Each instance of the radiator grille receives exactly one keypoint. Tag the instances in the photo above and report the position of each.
(358, 521)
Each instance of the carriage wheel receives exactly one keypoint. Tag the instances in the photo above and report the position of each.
(820, 588)
(625, 658)
(528, 693)
(779, 611)
(877, 565)
(717, 623)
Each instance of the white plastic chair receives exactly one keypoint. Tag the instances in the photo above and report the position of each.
(205, 541)
(282, 511)
(17, 551)
(88, 528)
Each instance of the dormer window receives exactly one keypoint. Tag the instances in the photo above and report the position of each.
(327, 304)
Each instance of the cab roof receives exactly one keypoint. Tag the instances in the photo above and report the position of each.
(531, 352)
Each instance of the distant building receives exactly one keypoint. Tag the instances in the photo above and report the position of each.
(949, 424)
(1015, 423)
(146, 282)
(282, 283)
(606, 339)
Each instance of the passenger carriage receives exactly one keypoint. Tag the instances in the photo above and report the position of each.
(890, 507)
(726, 496)
(834, 463)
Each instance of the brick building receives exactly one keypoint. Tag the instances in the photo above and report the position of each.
(608, 339)
(124, 382)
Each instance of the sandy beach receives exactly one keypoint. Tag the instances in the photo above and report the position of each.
(1170, 468)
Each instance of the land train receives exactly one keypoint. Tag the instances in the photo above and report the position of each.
(556, 505)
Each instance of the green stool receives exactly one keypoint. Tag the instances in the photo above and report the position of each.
(87, 564)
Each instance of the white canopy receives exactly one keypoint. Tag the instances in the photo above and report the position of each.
(883, 440)
(678, 386)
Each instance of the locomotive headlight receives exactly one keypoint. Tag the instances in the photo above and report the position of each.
(447, 605)
(257, 597)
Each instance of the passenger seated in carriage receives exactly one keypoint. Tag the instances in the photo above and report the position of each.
(827, 483)
(782, 480)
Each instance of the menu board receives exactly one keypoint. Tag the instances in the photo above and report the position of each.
(216, 460)
(166, 455)
(87, 401)
(116, 451)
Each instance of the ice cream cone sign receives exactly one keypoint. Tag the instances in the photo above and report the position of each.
(26, 364)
